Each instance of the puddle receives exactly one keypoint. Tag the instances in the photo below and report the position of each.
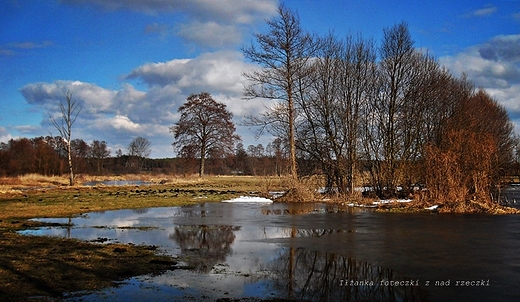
(116, 183)
(312, 252)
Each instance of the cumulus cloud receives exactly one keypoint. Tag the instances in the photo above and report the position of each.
(494, 66)
(91, 97)
(219, 73)
(502, 48)
(212, 72)
(123, 122)
(117, 116)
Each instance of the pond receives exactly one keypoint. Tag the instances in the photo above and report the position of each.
(311, 252)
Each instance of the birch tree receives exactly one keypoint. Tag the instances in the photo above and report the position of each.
(69, 113)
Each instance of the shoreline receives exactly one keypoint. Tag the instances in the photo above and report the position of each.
(34, 266)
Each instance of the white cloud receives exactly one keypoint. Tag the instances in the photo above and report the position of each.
(212, 72)
(117, 116)
(123, 122)
(494, 66)
(5, 136)
(49, 95)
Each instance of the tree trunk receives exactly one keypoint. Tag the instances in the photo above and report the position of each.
(71, 170)
(202, 160)
(292, 142)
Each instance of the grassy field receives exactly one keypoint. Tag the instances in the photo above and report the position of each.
(46, 267)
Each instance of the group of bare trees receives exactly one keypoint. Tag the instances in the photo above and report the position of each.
(388, 115)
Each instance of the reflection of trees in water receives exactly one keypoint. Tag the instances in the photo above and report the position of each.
(204, 245)
(318, 276)
(306, 208)
(297, 233)
(198, 210)
(140, 210)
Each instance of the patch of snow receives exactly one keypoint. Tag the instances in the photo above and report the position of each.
(277, 194)
(385, 201)
(251, 199)
(432, 207)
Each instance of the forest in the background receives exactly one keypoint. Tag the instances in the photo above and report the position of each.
(47, 156)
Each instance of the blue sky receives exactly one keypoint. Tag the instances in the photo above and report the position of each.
(132, 63)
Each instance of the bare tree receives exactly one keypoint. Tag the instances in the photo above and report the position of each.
(204, 129)
(342, 83)
(99, 152)
(139, 147)
(283, 52)
(69, 113)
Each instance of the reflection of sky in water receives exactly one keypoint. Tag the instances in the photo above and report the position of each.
(241, 274)
(155, 225)
(244, 251)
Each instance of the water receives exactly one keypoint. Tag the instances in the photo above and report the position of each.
(310, 252)
(116, 183)
(511, 195)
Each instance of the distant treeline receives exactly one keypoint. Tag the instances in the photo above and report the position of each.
(47, 156)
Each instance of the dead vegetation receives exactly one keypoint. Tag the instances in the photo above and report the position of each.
(45, 267)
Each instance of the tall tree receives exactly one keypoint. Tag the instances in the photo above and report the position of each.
(342, 83)
(69, 113)
(283, 52)
(204, 129)
(396, 72)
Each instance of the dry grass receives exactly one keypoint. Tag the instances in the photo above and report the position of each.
(302, 190)
(48, 267)
(476, 207)
(31, 180)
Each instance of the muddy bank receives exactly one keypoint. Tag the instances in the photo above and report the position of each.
(47, 267)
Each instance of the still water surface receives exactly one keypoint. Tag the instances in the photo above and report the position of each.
(310, 252)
